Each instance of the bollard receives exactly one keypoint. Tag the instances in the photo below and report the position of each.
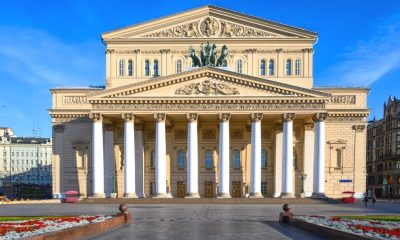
(286, 215)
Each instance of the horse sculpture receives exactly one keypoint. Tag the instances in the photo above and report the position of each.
(221, 58)
(195, 59)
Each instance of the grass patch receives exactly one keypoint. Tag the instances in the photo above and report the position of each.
(25, 218)
(393, 218)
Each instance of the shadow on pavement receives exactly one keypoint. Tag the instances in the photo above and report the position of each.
(292, 232)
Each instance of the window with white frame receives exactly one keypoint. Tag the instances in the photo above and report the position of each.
(288, 67)
(121, 67)
(181, 159)
(208, 159)
(147, 68)
(263, 188)
(130, 68)
(264, 158)
(155, 68)
(271, 66)
(239, 66)
(236, 159)
(178, 66)
(297, 65)
(262, 67)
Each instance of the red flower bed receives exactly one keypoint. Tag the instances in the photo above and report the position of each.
(391, 232)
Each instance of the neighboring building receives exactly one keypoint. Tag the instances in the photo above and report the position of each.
(250, 126)
(25, 160)
(383, 151)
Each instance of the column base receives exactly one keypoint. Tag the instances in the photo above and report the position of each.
(277, 195)
(113, 195)
(162, 195)
(256, 195)
(98, 195)
(318, 195)
(224, 195)
(130, 195)
(288, 195)
(192, 195)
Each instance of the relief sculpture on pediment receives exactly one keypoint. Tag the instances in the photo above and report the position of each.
(209, 27)
(207, 87)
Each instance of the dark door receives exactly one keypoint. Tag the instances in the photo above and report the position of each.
(181, 189)
(208, 189)
(236, 189)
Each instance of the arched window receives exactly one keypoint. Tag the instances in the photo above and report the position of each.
(152, 159)
(264, 158)
(178, 66)
(236, 159)
(130, 68)
(338, 158)
(121, 67)
(239, 66)
(288, 67)
(225, 63)
(147, 68)
(208, 160)
(181, 159)
(262, 67)
(155, 68)
(271, 67)
(297, 67)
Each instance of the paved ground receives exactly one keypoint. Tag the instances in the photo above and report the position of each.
(203, 221)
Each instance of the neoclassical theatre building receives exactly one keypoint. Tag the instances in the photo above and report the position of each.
(209, 103)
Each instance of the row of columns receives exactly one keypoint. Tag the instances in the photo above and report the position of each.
(224, 158)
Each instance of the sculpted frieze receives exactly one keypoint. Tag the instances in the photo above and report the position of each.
(210, 27)
(70, 100)
(207, 87)
(211, 106)
(343, 99)
(349, 118)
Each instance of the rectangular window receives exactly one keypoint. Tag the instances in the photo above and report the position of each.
(264, 188)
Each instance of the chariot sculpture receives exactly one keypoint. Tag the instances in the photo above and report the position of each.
(208, 56)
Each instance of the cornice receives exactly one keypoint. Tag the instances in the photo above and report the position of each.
(213, 73)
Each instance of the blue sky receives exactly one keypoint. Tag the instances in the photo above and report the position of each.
(46, 44)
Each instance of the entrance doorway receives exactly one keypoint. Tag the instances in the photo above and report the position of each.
(181, 189)
(208, 189)
(236, 189)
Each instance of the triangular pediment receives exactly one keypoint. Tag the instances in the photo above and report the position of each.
(209, 22)
(207, 82)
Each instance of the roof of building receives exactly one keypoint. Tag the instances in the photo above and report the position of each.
(30, 140)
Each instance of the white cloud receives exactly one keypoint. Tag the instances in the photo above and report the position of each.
(36, 57)
(371, 58)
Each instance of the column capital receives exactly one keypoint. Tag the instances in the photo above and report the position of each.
(224, 117)
(96, 117)
(128, 116)
(288, 116)
(358, 128)
(160, 117)
(59, 128)
(192, 117)
(308, 124)
(255, 117)
(319, 117)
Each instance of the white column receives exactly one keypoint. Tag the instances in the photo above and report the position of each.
(109, 160)
(278, 164)
(308, 173)
(287, 178)
(139, 161)
(98, 157)
(224, 155)
(255, 178)
(160, 155)
(319, 170)
(193, 160)
(129, 155)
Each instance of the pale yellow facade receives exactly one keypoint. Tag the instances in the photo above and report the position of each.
(246, 89)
